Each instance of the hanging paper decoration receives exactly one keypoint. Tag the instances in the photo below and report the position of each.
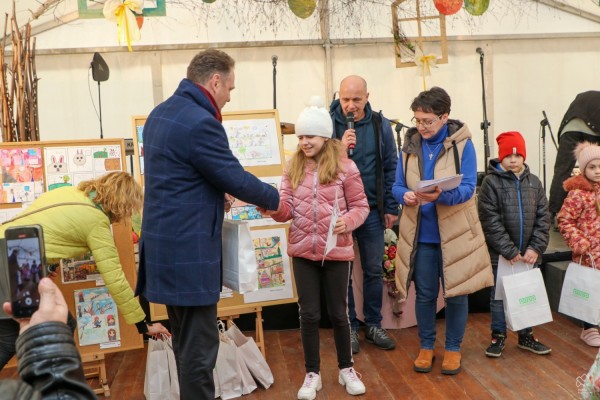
(476, 7)
(122, 12)
(424, 64)
(302, 8)
(448, 7)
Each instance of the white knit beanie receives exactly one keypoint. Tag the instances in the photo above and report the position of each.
(586, 152)
(314, 120)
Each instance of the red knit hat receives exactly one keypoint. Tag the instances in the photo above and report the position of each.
(511, 143)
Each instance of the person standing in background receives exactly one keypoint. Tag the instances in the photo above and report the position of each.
(370, 144)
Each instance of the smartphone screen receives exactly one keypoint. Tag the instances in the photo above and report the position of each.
(26, 267)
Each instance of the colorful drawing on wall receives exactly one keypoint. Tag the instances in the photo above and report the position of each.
(140, 142)
(274, 272)
(242, 211)
(68, 166)
(254, 141)
(79, 269)
(22, 176)
(97, 316)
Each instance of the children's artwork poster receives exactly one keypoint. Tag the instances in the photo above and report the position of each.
(274, 273)
(80, 269)
(242, 211)
(70, 165)
(97, 317)
(22, 174)
(254, 141)
(139, 129)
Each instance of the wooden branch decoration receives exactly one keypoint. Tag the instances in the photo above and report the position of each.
(18, 84)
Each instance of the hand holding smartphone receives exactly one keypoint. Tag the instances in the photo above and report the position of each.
(26, 267)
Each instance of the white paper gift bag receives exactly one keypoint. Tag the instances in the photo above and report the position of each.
(580, 294)
(239, 258)
(504, 268)
(525, 300)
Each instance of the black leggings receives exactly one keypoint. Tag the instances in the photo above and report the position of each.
(333, 277)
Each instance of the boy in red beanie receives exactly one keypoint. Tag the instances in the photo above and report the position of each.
(513, 210)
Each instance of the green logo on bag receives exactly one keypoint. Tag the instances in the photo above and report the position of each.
(527, 300)
(581, 294)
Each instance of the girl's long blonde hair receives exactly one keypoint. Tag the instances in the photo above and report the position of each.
(329, 165)
(119, 195)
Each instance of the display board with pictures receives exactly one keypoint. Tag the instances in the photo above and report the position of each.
(31, 168)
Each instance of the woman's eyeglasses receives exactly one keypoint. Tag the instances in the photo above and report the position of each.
(425, 123)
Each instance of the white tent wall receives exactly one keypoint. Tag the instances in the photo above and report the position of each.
(536, 58)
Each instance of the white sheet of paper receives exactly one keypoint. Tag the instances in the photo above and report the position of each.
(332, 237)
(445, 184)
(504, 268)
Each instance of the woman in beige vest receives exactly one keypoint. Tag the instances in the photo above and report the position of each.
(440, 234)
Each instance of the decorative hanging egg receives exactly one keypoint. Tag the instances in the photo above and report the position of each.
(302, 8)
(476, 7)
(140, 21)
(448, 7)
(209, 1)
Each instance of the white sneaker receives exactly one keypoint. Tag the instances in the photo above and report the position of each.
(351, 379)
(312, 384)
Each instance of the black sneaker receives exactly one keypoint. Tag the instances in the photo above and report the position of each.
(495, 348)
(380, 338)
(529, 342)
(354, 341)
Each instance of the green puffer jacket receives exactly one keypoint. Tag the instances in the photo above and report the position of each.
(71, 230)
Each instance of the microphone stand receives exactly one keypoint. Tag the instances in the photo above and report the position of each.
(485, 124)
(544, 123)
(100, 109)
(274, 59)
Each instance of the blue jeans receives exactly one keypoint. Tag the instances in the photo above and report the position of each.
(370, 245)
(427, 274)
(497, 311)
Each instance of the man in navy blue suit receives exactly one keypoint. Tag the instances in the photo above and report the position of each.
(188, 170)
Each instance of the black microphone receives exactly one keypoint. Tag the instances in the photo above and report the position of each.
(274, 59)
(480, 51)
(350, 125)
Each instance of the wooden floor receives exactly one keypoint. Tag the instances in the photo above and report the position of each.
(518, 374)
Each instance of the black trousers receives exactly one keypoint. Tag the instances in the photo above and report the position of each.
(195, 344)
(565, 162)
(333, 276)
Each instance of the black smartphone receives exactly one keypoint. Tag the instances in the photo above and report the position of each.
(26, 267)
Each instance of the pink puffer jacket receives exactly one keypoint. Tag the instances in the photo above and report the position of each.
(311, 205)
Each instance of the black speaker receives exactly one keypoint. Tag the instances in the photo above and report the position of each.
(100, 70)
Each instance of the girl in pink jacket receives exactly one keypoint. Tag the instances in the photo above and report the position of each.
(320, 182)
(579, 219)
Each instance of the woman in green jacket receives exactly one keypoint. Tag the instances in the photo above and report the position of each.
(76, 220)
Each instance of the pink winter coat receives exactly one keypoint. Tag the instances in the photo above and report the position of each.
(311, 204)
(579, 221)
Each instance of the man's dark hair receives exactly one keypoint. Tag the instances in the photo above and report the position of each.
(434, 100)
(207, 63)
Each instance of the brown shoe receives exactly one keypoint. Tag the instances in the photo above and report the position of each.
(451, 363)
(424, 361)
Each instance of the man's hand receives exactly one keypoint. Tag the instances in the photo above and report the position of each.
(53, 306)
(229, 199)
(515, 259)
(267, 213)
(390, 220)
(349, 138)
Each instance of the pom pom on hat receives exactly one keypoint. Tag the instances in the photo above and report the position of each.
(511, 143)
(314, 120)
(586, 152)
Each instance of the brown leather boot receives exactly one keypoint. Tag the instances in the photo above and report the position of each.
(451, 363)
(424, 361)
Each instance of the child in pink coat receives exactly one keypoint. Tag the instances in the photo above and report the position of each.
(579, 219)
(319, 182)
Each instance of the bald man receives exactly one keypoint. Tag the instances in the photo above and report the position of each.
(370, 144)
